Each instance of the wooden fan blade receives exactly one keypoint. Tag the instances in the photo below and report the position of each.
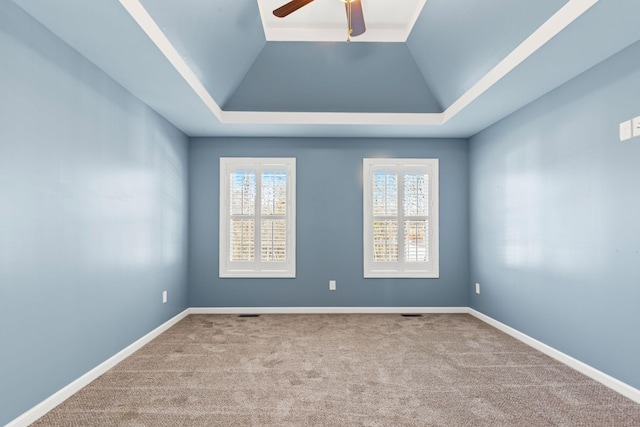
(357, 17)
(290, 7)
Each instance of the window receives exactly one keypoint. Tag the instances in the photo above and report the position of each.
(400, 217)
(257, 217)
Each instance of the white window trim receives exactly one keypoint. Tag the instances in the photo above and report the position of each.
(401, 269)
(257, 268)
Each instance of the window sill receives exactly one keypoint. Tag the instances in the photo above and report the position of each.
(258, 274)
(401, 275)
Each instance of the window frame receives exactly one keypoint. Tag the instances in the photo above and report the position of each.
(401, 269)
(257, 268)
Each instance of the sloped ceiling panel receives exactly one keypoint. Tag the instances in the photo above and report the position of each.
(455, 43)
(348, 77)
(219, 40)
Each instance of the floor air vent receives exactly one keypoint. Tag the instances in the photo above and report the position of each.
(249, 315)
(412, 315)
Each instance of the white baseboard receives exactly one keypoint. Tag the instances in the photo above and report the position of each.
(327, 310)
(591, 372)
(63, 394)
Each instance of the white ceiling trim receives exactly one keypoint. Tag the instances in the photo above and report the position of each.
(338, 34)
(554, 25)
(151, 28)
(324, 118)
(414, 18)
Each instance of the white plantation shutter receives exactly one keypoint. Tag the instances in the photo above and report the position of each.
(385, 215)
(242, 189)
(400, 217)
(274, 216)
(257, 217)
(416, 216)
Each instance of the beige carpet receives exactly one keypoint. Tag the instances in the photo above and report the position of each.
(341, 370)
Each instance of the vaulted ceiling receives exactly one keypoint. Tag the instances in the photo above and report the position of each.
(454, 67)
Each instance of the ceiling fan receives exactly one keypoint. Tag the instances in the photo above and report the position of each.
(355, 18)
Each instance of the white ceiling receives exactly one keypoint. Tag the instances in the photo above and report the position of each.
(191, 60)
(325, 20)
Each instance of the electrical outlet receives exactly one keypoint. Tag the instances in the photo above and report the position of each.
(332, 285)
(477, 288)
(164, 297)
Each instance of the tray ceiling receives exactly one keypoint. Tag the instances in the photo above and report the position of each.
(210, 68)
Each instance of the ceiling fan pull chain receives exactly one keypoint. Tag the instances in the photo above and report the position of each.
(349, 29)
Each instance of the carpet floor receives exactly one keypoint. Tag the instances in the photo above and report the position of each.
(341, 370)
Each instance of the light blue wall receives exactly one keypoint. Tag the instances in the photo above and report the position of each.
(92, 215)
(555, 229)
(329, 225)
